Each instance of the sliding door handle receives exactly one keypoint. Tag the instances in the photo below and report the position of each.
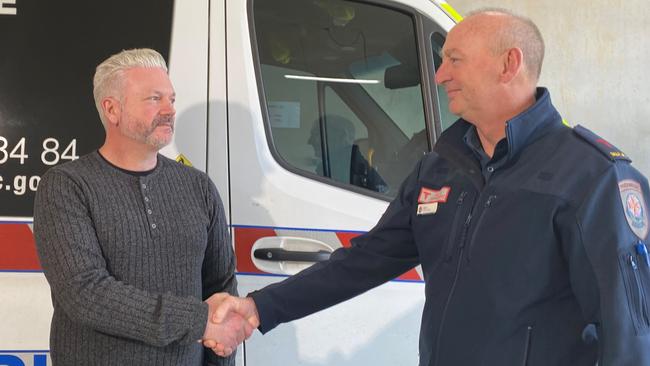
(283, 255)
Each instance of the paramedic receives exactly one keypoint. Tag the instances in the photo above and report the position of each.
(532, 235)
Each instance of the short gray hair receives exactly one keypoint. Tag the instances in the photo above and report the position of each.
(109, 74)
(520, 32)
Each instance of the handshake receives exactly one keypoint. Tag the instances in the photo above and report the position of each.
(231, 320)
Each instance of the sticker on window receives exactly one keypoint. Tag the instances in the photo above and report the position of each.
(284, 114)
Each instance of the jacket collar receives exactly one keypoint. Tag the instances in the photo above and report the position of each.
(538, 120)
(532, 124)
(522, 130)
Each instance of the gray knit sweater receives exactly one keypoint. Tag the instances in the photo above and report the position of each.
(129, 259)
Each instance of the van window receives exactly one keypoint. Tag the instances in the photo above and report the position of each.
(342, 88)
(402, 104)
(446, 117)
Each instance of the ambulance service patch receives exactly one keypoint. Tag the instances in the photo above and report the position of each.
(428, 195)
(429, 198)
(634, 206)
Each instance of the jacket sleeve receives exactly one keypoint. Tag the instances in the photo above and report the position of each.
(610, 279)
(382, 254)
(83, 288)
(219, 263)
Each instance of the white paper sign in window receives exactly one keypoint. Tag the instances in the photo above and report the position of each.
(284, 114)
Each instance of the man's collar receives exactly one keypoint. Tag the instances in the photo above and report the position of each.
(472, 141)
(524, 128)
(532, 123)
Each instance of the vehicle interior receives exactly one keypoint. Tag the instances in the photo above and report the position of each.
(328, 63)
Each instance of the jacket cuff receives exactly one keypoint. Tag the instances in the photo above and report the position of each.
(265, 311)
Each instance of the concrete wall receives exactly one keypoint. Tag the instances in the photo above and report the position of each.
(597, 65)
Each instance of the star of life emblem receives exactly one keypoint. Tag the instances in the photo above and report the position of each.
(636, 212)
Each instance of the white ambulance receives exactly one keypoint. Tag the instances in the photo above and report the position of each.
(307, 114)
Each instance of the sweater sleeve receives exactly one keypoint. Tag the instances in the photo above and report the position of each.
(219, 263)
(81, 285)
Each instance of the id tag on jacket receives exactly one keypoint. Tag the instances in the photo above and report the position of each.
(427, 208)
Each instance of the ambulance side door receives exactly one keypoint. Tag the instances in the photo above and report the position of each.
(329, 107)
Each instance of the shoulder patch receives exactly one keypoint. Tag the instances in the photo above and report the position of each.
(609, 150)
(634, 206)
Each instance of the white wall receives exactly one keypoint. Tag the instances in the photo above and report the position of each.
(597, 65)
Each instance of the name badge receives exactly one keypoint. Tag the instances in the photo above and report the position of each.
(427, 208)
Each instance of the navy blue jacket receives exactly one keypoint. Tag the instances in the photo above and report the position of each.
(534, 257)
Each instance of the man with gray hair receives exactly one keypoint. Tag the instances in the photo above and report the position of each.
(532, 235)
(134, 245)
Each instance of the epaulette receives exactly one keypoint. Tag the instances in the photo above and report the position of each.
(609, 150)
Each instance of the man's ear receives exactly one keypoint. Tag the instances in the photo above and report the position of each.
(512, 63)
(112, 110)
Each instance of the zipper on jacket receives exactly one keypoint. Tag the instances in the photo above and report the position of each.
(454, 226)
(641, 296)
(529, 333)
(634, 290)
(463, 237)
(487, 205)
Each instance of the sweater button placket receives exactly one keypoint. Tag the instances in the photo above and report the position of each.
(147, 205)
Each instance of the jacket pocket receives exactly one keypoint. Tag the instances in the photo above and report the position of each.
(451, 237)
(635, 278)
(486, 206)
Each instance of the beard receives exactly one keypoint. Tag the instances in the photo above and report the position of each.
(146, 133)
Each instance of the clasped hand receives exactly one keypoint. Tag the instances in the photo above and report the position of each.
(231, 320)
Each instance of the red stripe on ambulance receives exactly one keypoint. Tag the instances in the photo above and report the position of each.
(17, 248)
(245, 238)
(411, 275)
